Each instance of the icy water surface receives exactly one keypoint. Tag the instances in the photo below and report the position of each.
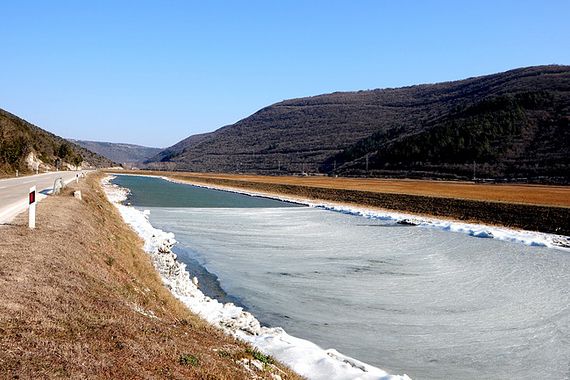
(152, 191)
(428, 303)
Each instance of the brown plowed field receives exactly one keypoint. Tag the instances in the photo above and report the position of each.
(528, 194)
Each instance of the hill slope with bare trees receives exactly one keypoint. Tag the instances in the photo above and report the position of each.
(513, 125)
(26, 147)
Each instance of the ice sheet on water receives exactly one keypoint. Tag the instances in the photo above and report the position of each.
(531, 238)
(385, 293)
(423, 301)
(304, 357)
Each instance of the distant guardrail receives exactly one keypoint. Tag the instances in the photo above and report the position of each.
(58, 185)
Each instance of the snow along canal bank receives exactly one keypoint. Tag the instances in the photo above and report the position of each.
(530, 238)
(304, 357)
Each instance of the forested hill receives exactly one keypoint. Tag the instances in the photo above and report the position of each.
(119, 152)
(25, 147)
(511, 125)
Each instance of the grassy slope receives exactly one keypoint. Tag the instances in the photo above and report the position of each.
(69, 295)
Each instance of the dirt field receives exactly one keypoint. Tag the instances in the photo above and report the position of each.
(530, 207)
(526, 194)
(80, 299)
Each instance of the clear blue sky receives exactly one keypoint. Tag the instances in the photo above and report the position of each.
(154, 72)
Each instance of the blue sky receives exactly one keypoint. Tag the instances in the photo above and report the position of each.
(154, 72)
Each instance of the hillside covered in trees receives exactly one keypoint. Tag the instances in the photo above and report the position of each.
(119, 152)
(512, 125)
(25, 147)
(519, 136)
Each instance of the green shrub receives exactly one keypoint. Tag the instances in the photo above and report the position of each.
(265, 359)
(187, 359)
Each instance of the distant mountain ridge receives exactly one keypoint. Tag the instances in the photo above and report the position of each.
(509, 125)
(119, 152)
(26, 147)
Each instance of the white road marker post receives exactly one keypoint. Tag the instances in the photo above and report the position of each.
(32, 208)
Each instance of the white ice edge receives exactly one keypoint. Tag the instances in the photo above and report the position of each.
(302, 356)
(530, 238)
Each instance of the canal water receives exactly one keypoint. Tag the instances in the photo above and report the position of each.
(429, 303)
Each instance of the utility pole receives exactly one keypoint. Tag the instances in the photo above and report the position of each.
(474, 166)
(334, 166)
(366, 163)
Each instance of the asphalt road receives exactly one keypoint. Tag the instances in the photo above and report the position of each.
(14, 191)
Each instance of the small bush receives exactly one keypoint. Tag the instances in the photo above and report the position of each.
(265, 359)
(224, 354)
(187, 359)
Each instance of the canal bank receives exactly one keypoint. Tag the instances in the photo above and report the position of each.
(79, 298)
(381, 292)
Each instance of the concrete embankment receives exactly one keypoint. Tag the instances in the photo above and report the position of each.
(79, 298)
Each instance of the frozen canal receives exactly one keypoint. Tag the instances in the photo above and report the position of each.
(420, 301)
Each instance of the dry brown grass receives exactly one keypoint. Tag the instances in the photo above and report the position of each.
(71, 296)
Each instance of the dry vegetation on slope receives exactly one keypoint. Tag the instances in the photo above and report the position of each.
(20, 139)
(119, 152)
(79, 298)
(514, 125)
